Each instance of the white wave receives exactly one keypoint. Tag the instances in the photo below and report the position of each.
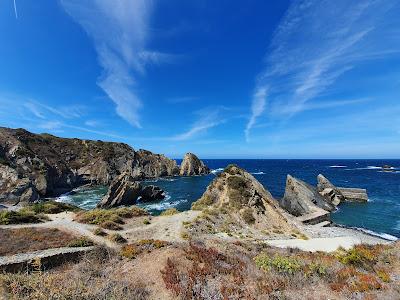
(163, 205)
(338, 166)
(216, 171)
(373, 168)
(258, 173)
(383, 235)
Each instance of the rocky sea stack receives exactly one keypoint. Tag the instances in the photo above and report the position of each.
(192, 165)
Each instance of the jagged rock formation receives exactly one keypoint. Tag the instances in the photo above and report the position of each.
(152, 193)
(240, 195)
(43, 165)
(122, 191)
(192, 165)
(354, 194)
(329, 191)
(303, 201)
(301, 198)
(339, 194)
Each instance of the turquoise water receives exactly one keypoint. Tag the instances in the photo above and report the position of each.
(381, 214)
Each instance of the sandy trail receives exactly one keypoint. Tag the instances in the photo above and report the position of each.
(64, 221)
(326, 244)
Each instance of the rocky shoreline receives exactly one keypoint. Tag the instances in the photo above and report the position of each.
(36, 166)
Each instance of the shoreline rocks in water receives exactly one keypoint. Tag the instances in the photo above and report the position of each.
(125, 191)
(301, 198)
(192, 165)
(122, 191)
(329, 191)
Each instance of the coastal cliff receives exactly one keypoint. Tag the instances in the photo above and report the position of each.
(33, 166)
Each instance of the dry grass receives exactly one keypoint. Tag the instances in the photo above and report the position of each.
(249, 271)
(97, 276)
(13, 241)
(169, 212)
(133, 250)
(34, 213)
(109, 218)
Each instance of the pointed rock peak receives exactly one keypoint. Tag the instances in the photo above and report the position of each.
(301, 198)
(330, 192)
(238, 194)
(192, 165)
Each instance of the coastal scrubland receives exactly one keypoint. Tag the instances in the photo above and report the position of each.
(216, 270)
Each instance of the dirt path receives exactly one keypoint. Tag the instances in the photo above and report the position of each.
(327, 244)
(64, 221)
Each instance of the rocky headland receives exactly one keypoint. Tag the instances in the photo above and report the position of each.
(34, 166)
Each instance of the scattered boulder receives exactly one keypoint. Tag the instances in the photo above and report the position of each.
(152, 193)
(192, 165)
(239, 194)
(329, 191)
(301, 198)
(122, 191)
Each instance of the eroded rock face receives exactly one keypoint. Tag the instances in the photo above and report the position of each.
(56, 165)
(192, 165)
(245, 199)
(123, 191)
(329, 191)
(301, 198)
(152, 193)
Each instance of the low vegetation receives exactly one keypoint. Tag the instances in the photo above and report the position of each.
(133, 250)
(13, 241)
(97, 276)
(169, 212)
(34, 213)
(81, 242)
(109, 218)
(117, 238)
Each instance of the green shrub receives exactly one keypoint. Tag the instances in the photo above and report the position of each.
(202, 203)
(117, 238)
(99, 232)
(50, 207)
(146, 222)
(116, 215)
(247, 215)
(129, 251)
(169, 212)
(110, 225)
(81, 242)
(281, 264)
(20, 217)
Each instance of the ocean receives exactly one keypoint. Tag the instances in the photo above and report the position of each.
(381, 214)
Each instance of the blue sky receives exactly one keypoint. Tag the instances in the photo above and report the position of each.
(223, 79)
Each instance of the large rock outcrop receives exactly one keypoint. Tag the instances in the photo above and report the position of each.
(336, 195)
(329, 191)
(43, 165)
(301, 198)
(123, 191)
(152, 193)
(245, 199)
(192, 165)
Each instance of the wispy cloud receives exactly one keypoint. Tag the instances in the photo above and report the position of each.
(315, 43)
(15, 9)
(119, 30)
(40, 110)
(257, 108)
(206, 119)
